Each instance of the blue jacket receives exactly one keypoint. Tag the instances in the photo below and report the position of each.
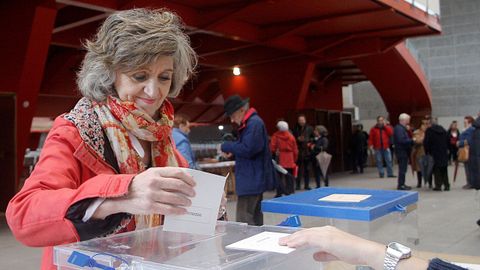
(403, 143)
(254, 172)
(183, 146)
(466, 135)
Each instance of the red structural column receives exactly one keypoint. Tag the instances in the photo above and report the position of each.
(400, 81)
(27, 29)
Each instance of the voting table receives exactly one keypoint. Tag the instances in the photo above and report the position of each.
(157, 249)
(384, 215)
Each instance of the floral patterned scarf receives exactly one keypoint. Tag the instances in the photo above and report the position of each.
(118, 119)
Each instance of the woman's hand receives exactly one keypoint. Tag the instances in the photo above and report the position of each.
(334, 244)
(227, 155)
(163, 191)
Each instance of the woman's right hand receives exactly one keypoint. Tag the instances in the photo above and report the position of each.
(163, 191)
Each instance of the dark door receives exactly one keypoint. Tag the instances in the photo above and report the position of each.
(346, 138)
(7, 150)
(335, 140)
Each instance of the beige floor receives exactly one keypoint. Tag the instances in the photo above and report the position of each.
(446, 220)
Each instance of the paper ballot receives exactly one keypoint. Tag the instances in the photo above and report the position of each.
(344, 198)
(265, 241)
(201, 216)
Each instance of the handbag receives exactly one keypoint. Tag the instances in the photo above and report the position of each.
(463, 152)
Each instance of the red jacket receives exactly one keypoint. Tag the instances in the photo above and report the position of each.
(68, 171)
(374, 137)
(284, 143)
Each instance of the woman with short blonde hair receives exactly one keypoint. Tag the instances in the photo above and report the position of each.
(131, 39)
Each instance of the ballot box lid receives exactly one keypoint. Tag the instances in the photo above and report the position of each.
(157, 249)
(379, 204)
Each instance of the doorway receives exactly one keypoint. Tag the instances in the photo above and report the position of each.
(8, 145)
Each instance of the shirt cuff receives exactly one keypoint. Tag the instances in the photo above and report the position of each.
(92, 208)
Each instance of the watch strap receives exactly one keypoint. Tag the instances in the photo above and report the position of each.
(390, 262)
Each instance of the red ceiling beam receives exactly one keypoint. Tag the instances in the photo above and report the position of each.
(404, 8)
(223, 17)
(200, 88)
(297, 25)
(213, 95)
(74, 37)
(194, 119)
(355, 48)
(226, 50)
(319, 44)
(81, 22)
(238, 30)
(99, 5)
(331, 44)
(244, 57)
(221, 116)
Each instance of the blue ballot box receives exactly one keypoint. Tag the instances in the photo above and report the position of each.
(385, 216)
(156, 249)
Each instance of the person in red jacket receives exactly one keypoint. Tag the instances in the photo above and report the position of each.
(109, 165)
(379, 142)
(284, 147)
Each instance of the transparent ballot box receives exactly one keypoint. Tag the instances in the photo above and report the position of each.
(385, 216)
(156, 249)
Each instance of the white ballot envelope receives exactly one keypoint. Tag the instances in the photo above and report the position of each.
(345, 198)
(201, 216)
(265, 241)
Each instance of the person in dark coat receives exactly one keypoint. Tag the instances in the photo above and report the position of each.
(465, 140)
(436, 145)
(319, 144)
(303, 134)
(358, 147)
(474, 155)
(453, 136)
(403, 148)
(254, 172)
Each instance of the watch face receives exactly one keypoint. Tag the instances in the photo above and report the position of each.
(405, 251)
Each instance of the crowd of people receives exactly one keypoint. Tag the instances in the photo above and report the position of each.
(429, 149)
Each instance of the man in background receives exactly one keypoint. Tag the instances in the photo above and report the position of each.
(436, 145)
(254, 172)
(303, 134)
(403, 148)
(358, 146)
(379, 142)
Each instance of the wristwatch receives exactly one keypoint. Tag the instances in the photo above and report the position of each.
(395, 253)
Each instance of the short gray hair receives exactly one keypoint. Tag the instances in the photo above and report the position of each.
(322, 130)
(403, 116)
(282, 126)
(129, 40)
